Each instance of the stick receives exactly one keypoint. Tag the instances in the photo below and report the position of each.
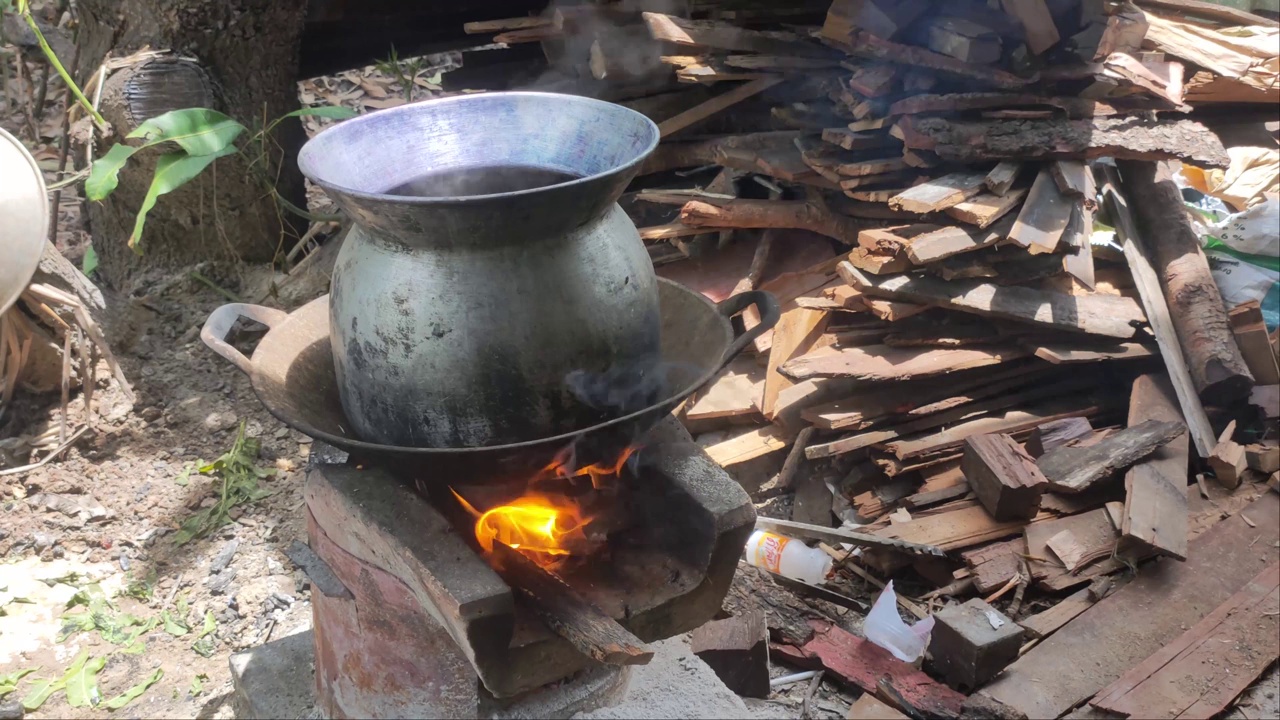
(48, 292)
(720, 102)
(568, 614)
(758, 260)
(840, 535)
(54, 453)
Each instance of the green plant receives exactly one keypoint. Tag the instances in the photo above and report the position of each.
(239, 474)
(201, 136)
(23, 8)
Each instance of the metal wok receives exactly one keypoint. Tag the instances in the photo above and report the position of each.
(292, 373)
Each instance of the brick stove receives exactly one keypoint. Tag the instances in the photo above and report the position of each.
(412, 621)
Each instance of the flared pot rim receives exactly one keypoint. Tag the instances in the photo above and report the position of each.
(309, 166)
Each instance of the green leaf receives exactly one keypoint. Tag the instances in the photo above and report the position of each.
(82, 681)
(197, 687)
(40, 692)
(172, 172)
(175, 626)
(105, 174)
(90, 261)
(9, 681)
(205, 642)
(198, 131)
(132, 693)
(333, 112)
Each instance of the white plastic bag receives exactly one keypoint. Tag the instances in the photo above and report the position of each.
(885, 628)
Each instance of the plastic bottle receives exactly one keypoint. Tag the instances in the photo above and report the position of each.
(787, 557)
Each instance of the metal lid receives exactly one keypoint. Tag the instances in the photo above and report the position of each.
(24, 218)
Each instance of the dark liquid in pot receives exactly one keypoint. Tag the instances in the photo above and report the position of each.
(483, 180)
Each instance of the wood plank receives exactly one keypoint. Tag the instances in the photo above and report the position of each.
(497, 26)
(1140, 618)
(1052, 435)
(1003, 476)
(1012, 422)
(721, 102)
(1201, 672)
(1255, 345)
(567, 613)
(880, 362)
(795, 334)
(1044, 216)
(748, 446)
(1064, 354)
(1158, 314)
(776, 214)
(963, 39)
(1046, 622)
(1072, 469)
(1107, 315)
(992, 566)
(956, 529)
(1034, 15)
(837, 536)
(1130, 138)
(734, 393)
(866, 45)
(1155, 505)
(862, 664)
(984, 209)
(1093, 531)
(940, 193)
(1002, 176)
(878, 263)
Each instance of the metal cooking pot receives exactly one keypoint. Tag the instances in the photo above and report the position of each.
(491, 279)
(293, 375)
(24, 218)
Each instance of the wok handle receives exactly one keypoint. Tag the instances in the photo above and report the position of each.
(766, 306)
(220, 322)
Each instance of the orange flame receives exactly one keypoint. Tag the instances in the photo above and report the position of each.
(548, 528)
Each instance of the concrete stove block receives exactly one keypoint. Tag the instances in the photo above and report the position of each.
(968, 648)
(275, 680)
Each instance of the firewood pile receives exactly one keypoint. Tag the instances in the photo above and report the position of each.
(1000, 338)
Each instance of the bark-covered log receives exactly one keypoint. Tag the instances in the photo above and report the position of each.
(244, 63)
(1217, 368)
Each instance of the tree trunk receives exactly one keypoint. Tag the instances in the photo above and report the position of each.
(243, 62)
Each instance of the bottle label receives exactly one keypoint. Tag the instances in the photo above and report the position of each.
(769, 552)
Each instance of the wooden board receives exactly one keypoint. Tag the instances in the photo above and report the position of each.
(1255, 344)
(1155, 505)
(984, 209)
(881, 362)
(1002, 176)
(795, 333)
(1012, 422)
(1045, 622)
(1116, 634)
(1100, 314)
(704, 110)
(1201, 672)
(1073, 469)
(956, 529)
(734, 393)
(1064, 354)
(1044, 216)
(939, 194)
(1034, 15)
(949, 242)
(748, 446)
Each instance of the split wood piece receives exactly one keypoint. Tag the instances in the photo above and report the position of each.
(1228, 462)
(867, 707)
(1074, 553)
(1044, 216)
(495, 26)
(1034, 15)
(879, 263)
(1073, 177)
(716, 104)
(939, 194)
(1200, 673)
(1264, 458)
(873, 81)
(963, 40)
(1092, 536)
(857, 173)
(1012, 422)
(942, 417)
(1255, 345)
(737, 649)
(956, 529)
(1053, 435)
(1153, 299)
(1124, 32)
(1075, 469)
(727, 36)
(1159, 79)
(983, 210)
(748, 446)
(867, 45)
(1139, 618)
(1002, 177)
(800, 214)
(794, 335)
(849, 140)
(1108, 315)
(1078, 260)
(689, 68)
(669, 230)
(1046, 622)
(862, 664)
(860, 126)
(722, 150)
(993, 566)
(840, 535)
(1155, 503)
(880, 362)
(930, 498)
(1129, 138)
(567, 614)
(892, 311)
(1203, 328)
(1003, 476)
(734, 393)
(882, 18)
